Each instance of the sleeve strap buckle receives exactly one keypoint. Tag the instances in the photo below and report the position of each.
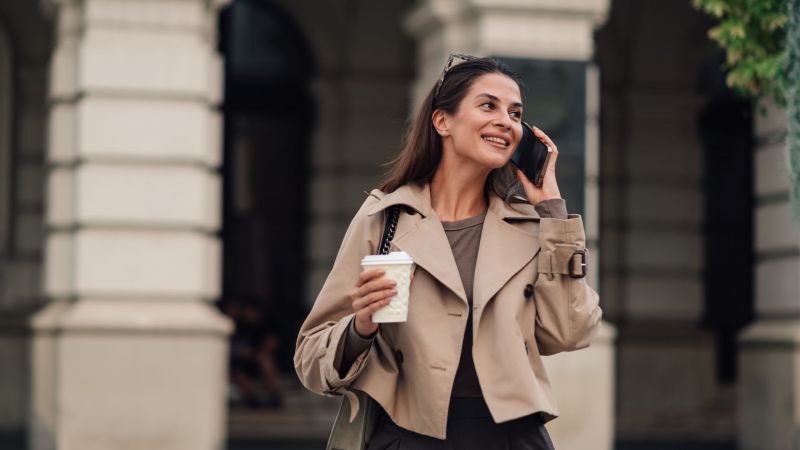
(578, 270)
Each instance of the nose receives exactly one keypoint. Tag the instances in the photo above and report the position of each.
(503, 121)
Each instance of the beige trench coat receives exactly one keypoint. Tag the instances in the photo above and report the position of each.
(525, 305)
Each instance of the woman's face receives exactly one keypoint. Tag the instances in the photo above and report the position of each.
(488, 123)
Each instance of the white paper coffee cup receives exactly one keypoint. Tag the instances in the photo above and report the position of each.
(398, 267)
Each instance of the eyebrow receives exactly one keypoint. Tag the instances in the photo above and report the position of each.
(492, 97)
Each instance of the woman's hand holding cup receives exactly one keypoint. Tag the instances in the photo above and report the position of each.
(373, 292)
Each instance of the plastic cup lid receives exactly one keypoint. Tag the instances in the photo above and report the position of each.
(391, 258)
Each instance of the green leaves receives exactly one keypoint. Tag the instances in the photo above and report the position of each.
(716, 8)
(753, 32)
(762, 40)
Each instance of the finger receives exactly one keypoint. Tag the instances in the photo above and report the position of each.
(376, 306)
(546, 139)
(372, 297)
(531, 190)
(367, 275)
(366, 313)
(551, 164)
(375, 285)
(526, 183)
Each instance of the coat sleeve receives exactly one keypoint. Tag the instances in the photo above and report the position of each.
(319, 347)
(567, 309)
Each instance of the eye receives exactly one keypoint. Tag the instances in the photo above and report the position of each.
(488, 105)
(516, 115)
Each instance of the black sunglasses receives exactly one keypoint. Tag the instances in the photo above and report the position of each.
(449, 65)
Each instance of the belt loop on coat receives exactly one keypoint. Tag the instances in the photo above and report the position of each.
(550, 274)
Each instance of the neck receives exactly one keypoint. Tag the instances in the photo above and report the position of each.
(457, 195)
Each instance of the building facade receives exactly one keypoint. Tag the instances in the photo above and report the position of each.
(160, 160)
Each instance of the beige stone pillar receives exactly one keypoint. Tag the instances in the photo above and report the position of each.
(129, 353)
(769, 366)
(539, 30)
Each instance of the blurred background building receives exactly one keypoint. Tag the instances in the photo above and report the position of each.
(172, 168)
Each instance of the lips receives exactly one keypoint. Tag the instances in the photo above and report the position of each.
(496, 140)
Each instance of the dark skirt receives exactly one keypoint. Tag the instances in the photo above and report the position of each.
(469, 426)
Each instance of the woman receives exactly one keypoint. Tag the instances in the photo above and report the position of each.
(498, 283)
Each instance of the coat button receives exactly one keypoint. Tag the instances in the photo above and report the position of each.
(529, 291)
(398, 356)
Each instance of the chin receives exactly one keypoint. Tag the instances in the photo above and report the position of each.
(496, 163)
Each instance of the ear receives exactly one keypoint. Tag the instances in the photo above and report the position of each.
(441, 122)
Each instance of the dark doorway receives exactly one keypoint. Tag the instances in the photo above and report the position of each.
(268, 113)
(725, 126)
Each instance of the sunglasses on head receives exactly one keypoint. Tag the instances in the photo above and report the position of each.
(450, 59)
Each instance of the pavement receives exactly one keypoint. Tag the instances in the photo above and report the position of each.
(320, 445)
(303, 423)
(16, 442)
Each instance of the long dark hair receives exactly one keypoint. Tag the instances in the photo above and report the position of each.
(422, 145)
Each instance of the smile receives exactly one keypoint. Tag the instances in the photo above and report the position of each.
(496, 140)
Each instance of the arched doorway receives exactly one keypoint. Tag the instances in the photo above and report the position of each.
(675, 232)
(268, 117)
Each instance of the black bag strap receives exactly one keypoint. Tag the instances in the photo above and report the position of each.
(392, 215)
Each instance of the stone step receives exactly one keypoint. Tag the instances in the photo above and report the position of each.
(304, 415)
(715, 422)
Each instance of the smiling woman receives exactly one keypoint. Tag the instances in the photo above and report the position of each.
(422, 151)
(480, 135)
(499, 281)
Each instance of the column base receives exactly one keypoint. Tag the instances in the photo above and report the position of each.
(769, 386)
(126, 374)
(583, 383)
(668, 388)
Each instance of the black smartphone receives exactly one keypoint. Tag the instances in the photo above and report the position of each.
(531, 155)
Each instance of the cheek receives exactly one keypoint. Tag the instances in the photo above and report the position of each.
(518, 133)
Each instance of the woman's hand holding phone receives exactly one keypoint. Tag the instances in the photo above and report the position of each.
(549, 189)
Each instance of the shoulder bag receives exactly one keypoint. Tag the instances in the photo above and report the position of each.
(347, 435)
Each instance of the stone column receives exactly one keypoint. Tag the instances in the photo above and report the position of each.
(551, 45)
(129, 353)
(769, 366)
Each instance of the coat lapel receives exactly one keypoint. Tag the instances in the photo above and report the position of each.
(424, 238)
(429, 248)
(504, 249)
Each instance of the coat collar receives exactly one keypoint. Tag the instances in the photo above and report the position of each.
(418, 197)
(505, 247)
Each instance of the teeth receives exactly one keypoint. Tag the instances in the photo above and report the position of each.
(495, 139)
